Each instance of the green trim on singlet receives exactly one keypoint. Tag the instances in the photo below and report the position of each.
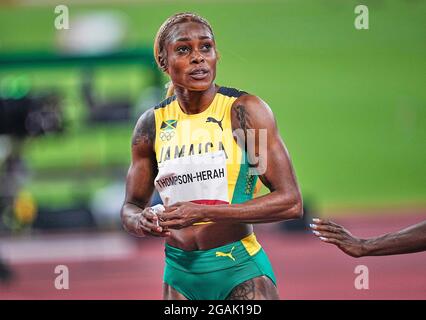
(244, 187)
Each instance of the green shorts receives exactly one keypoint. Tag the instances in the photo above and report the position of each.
(212, 274)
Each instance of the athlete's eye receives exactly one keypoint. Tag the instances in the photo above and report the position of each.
(206, 46)
(182, 49)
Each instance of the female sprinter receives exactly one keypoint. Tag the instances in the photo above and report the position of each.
(195, 148)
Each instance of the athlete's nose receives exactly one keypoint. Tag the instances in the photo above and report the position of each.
(197, 57)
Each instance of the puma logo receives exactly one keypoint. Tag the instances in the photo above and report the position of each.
(223, 254)
(211, 119)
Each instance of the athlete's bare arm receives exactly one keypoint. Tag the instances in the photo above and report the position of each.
(408, 240)
(140, 181)
(282, 203)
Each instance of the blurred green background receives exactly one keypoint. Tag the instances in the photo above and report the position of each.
(350, 104)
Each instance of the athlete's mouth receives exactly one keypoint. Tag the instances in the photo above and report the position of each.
(199, 73)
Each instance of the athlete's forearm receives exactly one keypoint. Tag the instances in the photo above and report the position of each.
(272, 207)
(130, 214)
(411, 239)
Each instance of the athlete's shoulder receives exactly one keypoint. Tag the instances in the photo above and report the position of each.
(241, 95)
(251, 111)
(251, 102)
(166, 102)
(231, 92)
(146, 117)
(144, 130)
(145, 126)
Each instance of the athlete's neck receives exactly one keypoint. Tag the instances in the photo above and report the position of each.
(193, 102)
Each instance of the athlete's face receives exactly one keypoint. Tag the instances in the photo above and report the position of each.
(191, 56)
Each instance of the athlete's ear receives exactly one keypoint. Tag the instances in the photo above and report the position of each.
(163, 63)
(217, 55)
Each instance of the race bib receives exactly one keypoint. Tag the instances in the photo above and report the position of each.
(200, 178)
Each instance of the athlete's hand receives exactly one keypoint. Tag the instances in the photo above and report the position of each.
(147, 224)
(331, 232)
(181, 215)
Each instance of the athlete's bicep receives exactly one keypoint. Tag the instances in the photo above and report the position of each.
(140, 182)
(279, 173)
(269, 154)
(143, 168)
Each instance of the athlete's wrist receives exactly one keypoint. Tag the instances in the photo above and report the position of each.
(207, 215)
(366, 247)
(217, 213)
(204, 214)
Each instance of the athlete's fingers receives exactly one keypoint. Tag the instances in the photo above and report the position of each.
(332, 241)
(322, 227)
(177, 204)
(151, 217)
(150, 225)
(325, 222)
(331, 223)
(328, 235)
(148, 214)
(173, 224)
(174, 207)
(155, 231)
(169, 209)
(148, 231)
(165, 216)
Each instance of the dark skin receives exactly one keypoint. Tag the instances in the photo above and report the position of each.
(409, 240)
(191, 46)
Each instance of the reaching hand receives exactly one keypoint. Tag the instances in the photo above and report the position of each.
(331, 232)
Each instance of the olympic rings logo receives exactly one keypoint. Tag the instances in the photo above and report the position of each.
(167, 135)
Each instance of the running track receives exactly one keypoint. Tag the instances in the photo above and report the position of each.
(114, 265)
